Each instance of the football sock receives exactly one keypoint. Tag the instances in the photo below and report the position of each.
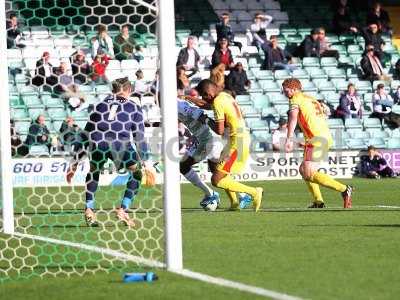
(327, 181)
(227, 183)
(92, 181)
(194, 178)
(315, 191)
(132, 188)
(232, 197)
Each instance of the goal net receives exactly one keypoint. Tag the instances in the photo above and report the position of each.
(62, 59)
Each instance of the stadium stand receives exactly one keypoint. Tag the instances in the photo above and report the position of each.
(62, 31)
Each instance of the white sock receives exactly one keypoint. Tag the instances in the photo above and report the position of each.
(194, 178)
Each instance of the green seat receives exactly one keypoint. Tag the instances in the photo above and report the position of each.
(353, 124)
(316, 73)
(49, 101)
(378, 133)
(255, 87)
(269, 112)
(103, 89)
(243, 99)
(372, 123)
(83, 114)
(363, 85)
(270, 86)
(311, 62)
(19, 114)
(308, 86)
(260, 101)
(282, 109)
(36, 111)
(294, 39)
(336, 73)
(340, 48)
(329, 62)
(22, 127)
(354, 49)
(57, 113)
(256, 124)
(346, 60)
(376, 142)
(277, 98)
(282, 74)
(394, 84)
(393, 143)
(335, 124)
(323, 85)
(300, 74)
(356, 143)
(340, 84)
(264, 75)
(32, 101)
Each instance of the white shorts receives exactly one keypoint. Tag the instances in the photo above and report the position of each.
(210, 150)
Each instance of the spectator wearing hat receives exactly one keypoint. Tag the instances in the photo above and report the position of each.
(189, 58)
(275, 57)
(310, 46)
(224, 30)
(375, 166)
(258, 29)
(279, 135)
(237, 80)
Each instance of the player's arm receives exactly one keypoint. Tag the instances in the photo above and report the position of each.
(292, 122)
(217, 126)
(199, 102)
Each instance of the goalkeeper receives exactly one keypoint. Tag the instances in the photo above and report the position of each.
(108, 136)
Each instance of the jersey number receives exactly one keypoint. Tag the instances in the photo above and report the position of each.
(113, 112)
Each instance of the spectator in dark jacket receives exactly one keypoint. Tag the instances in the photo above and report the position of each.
(13, 32)
(80, 68)
(372, 36)
(350, 105)
(343, 22)
(275, 57)
(325, 49)
(224, 30)
(237, 80)
(371, 65)
(124, 44)
(70, 133)
(222, 55)
(396, 72)
(379, 16)
(375, 166)
(310, 46)
(189, 58)
(44, 73)
(38, 133)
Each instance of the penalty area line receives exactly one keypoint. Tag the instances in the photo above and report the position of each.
(153, 263)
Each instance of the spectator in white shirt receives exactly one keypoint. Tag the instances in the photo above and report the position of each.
(102, 42)
(279, 136)
(189, 57)
(258, 29)
(141, 87)
(382, 102)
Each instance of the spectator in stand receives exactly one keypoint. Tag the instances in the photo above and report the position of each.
(237, 80)
(310, 46)
(99, 66)
(396, 95)
(258, 29)
(74, 97)
(80, 68)
(38, 133)
(140, 86)
(396, 72)
(102, 43)
(138, 54)
(279, 135)
(124, 44)
(189, 58)
(69, 132)
(325, 49)
(350, 105)
(371, 65)
(382, 102)
(373, 37)
(217, 75)
(44, 73)
(16, 143)
(14, 35)
(343, 22)
(379, 16)
(222, 55)
(275, 57)
(65, 80)
(375, 166)
(183, 83)
(224, 30)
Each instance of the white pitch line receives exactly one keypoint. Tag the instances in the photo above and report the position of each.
(153, 263)
(387, 206)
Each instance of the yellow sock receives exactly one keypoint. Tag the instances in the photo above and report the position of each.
(227, 183)
(327, 181)
(232, 197)
(315, 191)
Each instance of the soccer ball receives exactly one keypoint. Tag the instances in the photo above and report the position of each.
(210, 203)
(211, 206)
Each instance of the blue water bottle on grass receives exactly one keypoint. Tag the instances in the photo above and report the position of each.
(133, 277)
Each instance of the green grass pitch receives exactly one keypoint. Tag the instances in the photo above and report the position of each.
(313, 254)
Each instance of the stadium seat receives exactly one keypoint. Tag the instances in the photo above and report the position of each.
(22, 127)
(57, 113)
(264, 75)
(363, 85)
(324, 85)
(335, 124)
(277, 98)
(329, 62)
(354, 49)
(300, 74)
(353, 124)
(355, 143)
(376, 142)
(336, 73)
(260, 101)
(270, 86)
(250, 112)
(311, 62)
(308, 86)
(281, 74)
(256, 124)
(39, 150)
(372, 123)
(393, 143)
(243, 99)
(358, 133)
(316, 73)
(269, 112)
(378, 133)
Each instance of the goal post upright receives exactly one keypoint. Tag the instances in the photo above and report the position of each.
(5, 138)
(168, 90)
